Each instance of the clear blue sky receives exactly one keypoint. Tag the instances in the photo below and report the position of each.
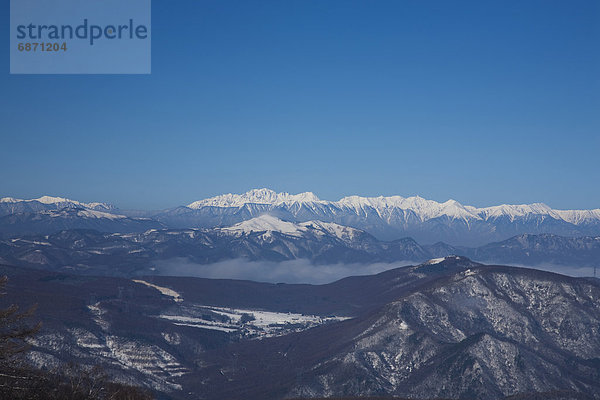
(485, 102)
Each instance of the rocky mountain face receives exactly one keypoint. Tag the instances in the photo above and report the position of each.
(447, 328)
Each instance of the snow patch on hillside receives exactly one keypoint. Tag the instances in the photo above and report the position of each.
(252, 323)
(166, 291)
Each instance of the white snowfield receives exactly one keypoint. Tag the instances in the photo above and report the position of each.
(434, 261)
(253, 323)
(423, 208)
(166, 291)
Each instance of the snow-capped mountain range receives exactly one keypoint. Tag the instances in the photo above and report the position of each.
(474, 330)
(392, 217)
(424, 209)
(387, 218)
(256, 196)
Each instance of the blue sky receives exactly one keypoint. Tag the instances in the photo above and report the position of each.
(483, 102)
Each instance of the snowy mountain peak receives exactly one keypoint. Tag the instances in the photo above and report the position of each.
(305, 197)
(266, 223)
(376, 202)
(423, 208)
(513, 211)
(254, 196)
(54, 200)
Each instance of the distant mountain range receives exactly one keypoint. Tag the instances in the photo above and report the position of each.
(267, 238)
(387, 218)
(447, 328)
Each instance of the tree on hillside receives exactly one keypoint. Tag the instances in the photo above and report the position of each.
(15, 328)
(20, 381)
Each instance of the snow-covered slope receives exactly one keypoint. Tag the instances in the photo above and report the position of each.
(268, 224)
(478, 332)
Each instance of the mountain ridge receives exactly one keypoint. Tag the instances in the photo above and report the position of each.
(269, 240)
(387, 218)
(427, 208)
(463, 330)
(59, 202)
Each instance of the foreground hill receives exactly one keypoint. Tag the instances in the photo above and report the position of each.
(473, 332)
(448, 328)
